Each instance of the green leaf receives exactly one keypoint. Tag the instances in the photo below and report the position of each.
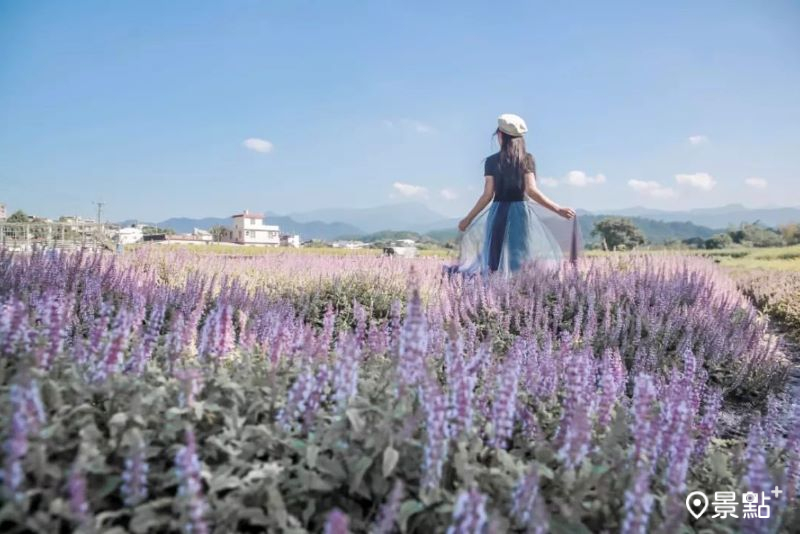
(408, 509)
(356, 421)
(312, 452)
(390, 458)
(362, 466)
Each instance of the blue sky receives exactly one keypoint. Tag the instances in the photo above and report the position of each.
(149, 106)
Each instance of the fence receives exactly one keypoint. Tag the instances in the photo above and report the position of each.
(43, 235)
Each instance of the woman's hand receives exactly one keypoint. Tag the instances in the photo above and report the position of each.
(463, 224)
(567, 213)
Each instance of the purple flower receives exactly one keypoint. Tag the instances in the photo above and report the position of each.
(612, 386)
(638, 499)
(346, 369)
(505, 401)
(190, 487)
(413, 343)
(191, 385)
(388, 514)
(757, 478)
(305, 398)
(575, 429)
(469, 514)
(76, 485)
(528, 506)
(144, 349)
(337, 523)
(707, 427)
(434, 404)
(113, 350)
(216, 336)
(463, 379)
(16, 445)
(134, 476)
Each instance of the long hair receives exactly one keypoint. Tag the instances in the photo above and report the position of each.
(514, 157)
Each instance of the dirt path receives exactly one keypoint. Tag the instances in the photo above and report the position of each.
(734, 418)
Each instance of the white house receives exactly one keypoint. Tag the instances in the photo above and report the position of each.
(290, 240)
(128, 236)
(2, 211)
(249, 229)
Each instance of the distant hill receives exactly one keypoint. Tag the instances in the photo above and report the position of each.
(721, 217)
(404, 216)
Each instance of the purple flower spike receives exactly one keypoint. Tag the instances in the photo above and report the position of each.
(505, 402)
(190, 487)
(337, 523)
(389, 510)
(434, 404)
(413, 343)
(528, 506)
(16, 446)
(134, 477)
(638, 499)
(76, 485)
(469, 514)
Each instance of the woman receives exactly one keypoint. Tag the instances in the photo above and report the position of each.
(510, 233)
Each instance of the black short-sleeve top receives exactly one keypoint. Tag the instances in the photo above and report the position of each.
(507, 186)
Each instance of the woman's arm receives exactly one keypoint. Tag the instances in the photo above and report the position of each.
(537, 196)
(483, 201)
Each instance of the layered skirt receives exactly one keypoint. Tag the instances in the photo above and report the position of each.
(508, 235)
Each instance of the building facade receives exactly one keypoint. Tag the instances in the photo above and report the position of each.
(249, 229)
(3, 215)
(289, 240)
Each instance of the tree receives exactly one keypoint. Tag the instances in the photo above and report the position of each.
(757, 235)
(18, 216)
(718, 241)
(791, 233)
(217, 231)
(618, 233)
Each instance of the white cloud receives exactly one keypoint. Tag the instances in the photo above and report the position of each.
(581, 179)
(651, 188)
(758, 183)
(408, 190)
(449, 194)
(700, 180)
(697, 140)
(258, 145)
(548, 182)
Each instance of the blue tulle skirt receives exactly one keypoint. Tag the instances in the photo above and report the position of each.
(509, 235)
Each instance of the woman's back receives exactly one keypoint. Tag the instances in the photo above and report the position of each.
(509, 186)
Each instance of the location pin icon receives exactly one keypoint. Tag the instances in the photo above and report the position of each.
(697, 503)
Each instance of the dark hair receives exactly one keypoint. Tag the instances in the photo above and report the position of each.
(514, 157)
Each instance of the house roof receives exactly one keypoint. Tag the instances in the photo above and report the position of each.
(248, 215)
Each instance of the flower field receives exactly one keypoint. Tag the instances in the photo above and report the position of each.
(166, 390)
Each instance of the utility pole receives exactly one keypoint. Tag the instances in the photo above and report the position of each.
(100, 231)
(99, 209)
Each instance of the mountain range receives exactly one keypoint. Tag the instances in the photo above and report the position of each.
(657, 225)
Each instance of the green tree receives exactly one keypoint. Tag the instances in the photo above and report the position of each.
(718, 241)
(217, 231)
(618, 233)
(18, 216)
(791, 233)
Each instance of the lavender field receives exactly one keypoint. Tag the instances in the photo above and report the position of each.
(161, 391)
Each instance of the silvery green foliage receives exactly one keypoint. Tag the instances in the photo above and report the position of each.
(292, 393)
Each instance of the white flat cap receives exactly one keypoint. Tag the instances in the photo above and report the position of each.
(511, 124)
